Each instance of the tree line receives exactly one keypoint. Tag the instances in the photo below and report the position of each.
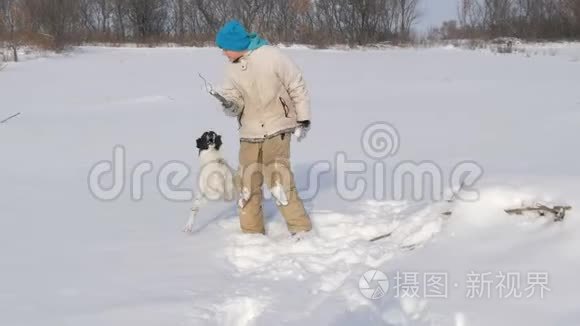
(322, 22)
(525, 19)
(58, 23)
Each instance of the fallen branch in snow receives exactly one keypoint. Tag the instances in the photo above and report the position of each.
(2, 66)
(453, 198)
(559, 212)
(10, 117)
(446, 213)
(382, 236)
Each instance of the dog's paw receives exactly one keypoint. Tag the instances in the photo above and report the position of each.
(244, 197)
(278, 193)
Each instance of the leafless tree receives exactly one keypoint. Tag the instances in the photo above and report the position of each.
(10, 15)
(88, 15)
(471, 14)
(529, 19)
(57, 19)
(177, 12)
(498, 17)
(357, 21)
(213, 12)
(574, 7)
(148, 18)
(105, 13)
(317, 22)
(409, 15)
(248, 10)
(120, 17)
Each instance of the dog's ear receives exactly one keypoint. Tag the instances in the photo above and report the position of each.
(201, 144)
(218, 142)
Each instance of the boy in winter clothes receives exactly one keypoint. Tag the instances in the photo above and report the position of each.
(267, 94)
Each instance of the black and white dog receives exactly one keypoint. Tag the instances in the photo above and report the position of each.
(215, 178)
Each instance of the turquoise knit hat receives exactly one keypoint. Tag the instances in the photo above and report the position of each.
(234, 37)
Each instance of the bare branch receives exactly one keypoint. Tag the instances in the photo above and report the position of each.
(10, 117)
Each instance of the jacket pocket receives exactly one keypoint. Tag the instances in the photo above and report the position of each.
(284, 106)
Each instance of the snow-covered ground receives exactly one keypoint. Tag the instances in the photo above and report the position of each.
(70, 259)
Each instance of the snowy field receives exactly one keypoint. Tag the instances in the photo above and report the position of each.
(68, 258)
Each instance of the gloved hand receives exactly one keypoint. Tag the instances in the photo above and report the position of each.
(302, 131)
(229, 109)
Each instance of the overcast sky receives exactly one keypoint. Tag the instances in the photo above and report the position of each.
(434, 12)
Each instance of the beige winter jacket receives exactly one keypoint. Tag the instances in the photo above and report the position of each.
(268, 92)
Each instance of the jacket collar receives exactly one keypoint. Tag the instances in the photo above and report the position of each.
(243, 60)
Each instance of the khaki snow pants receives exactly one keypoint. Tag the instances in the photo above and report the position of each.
(269, 161)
